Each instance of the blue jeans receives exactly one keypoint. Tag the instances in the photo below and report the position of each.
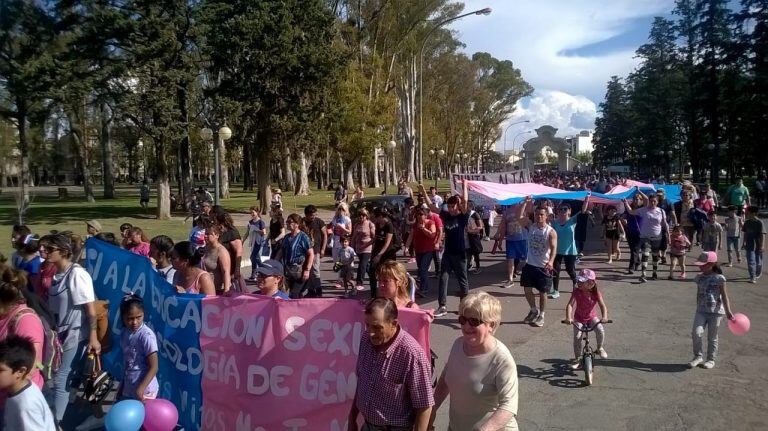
(255, 257)
(68, 376)
(732, 241)
(422, 263)
(755, 263)
(456, 263)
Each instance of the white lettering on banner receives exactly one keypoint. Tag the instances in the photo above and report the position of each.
(164, 304)
(346, 336)
(295, 424)
(221, 368)
(186, 407)
(291, 327)
(190, 361)
(111, 275)
(237, 327)
(328, 386)
(336, 426)
(93, 267)
(261, 380)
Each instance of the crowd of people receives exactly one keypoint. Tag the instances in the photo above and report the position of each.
(539, 237)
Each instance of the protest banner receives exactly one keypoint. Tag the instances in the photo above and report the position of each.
(244, 362)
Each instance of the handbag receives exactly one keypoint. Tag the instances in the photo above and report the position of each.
(99, 382)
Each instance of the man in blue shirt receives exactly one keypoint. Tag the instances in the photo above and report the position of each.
(455, 219)
(565, 227)
(269, 279)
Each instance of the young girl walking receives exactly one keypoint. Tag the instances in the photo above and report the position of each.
(139, 346)
(581, 309)
(711, 304)
(679, 245)
(613, 232)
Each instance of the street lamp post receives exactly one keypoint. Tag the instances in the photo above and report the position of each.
(218, 135)
(440, 154)
(515, 140)
(391, 146)
(484, 11)
(505, 134)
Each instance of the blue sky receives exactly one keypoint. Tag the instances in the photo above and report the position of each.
(566, 49)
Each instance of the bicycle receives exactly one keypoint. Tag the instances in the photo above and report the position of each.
(587, 354)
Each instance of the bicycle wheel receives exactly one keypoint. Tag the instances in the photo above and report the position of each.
(588, 370)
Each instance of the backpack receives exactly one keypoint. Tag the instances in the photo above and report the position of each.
(52, 350)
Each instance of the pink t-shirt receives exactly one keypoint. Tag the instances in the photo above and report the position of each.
(142, 249)
(27, 325)
(585, 305)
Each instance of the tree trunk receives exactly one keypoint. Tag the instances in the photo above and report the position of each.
(376, 182)
(285, 164)
(406, 95)
(224, 170)
(302, 188)
(247, 168)
(163, 184)
(108, 167)
(78, 140)
(350, 177)
(185, 149)
(363, 174)
(22, 201)
(262, 172)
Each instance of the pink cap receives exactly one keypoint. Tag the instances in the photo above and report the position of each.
(586, 274)
(706, 257)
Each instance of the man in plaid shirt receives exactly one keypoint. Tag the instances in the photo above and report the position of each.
(394, 388)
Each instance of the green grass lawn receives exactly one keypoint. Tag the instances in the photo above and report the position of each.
(47, 212)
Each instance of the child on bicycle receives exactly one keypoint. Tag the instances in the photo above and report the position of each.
(581, 309)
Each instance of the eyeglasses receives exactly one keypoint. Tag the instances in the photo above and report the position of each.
(473, 322)
(49, 249)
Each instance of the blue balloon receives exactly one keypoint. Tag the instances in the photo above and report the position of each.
(127, 415)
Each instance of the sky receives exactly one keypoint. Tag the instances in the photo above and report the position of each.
(566, 49)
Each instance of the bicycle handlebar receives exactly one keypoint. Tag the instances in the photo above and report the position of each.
(585, 328)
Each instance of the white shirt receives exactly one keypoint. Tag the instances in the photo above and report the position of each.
(28, 411)
(479, 385)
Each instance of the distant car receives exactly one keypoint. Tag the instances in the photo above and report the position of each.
(393, 203)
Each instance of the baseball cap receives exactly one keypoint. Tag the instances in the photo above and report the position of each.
(586, 274)
(198, 238)
(270, 267)
(706, 257)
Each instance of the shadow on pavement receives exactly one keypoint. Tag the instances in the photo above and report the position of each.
(629, 363)
(560, 375)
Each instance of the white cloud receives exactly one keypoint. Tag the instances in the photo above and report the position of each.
(568, 113)
(534, 33)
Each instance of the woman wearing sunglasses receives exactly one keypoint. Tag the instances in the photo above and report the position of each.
(480, 374)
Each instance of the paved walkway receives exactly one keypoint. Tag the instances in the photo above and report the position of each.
(645, 384)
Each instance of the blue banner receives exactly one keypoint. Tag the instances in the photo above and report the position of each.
(175, 319)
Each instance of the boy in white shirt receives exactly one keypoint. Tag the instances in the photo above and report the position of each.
(25, 408)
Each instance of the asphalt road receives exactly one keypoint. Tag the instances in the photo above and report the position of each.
(645, 383)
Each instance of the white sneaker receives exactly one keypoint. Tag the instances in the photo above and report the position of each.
(508, 284)
(709, 365)
(441, 311)
(91, 423)
(695, 362)
(575, 364)
(603, 354)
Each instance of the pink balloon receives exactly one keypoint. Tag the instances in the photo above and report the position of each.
(160, 415)
(739, 325)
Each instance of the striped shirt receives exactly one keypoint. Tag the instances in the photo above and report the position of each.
(394, 383)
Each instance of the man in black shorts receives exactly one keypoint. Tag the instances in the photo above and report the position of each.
(537, 273)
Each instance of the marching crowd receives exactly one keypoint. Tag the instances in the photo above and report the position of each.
(44, 289)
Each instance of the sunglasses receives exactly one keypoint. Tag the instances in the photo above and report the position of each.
(49, 249)
(473, 322)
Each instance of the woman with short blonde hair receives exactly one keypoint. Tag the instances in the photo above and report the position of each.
(480, 374)
(394, 283)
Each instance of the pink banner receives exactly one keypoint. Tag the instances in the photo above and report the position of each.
(284, 365)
